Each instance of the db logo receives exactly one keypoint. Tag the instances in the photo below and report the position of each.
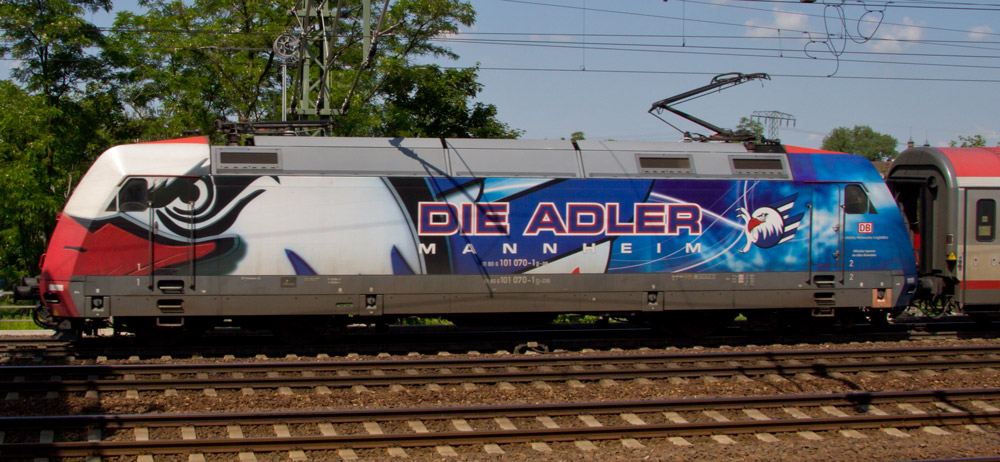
(865, 227)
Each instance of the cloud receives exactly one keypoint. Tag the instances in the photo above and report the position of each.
(781, 20)
(896, 38)
(980, 33)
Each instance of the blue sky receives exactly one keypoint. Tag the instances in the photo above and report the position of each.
(553, 67)
(606, 61)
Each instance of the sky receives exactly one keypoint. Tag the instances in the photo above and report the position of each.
(554, 67)
(915, 69)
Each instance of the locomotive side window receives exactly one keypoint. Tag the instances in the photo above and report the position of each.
(134, 195)
(986, 219)
(855, 200)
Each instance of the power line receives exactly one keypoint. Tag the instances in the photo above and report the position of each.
(706, 21)
(651, 47)
(797, 76)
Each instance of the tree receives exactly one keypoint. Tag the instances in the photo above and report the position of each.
(427, 101)
(54, 126)
(974, 141)
(863, 141)
(186, 64)
(752, 126)
(52, 41)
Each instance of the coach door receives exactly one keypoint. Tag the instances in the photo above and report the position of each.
(826, 228)
(981, 278)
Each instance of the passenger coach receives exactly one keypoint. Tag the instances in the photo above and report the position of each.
(949, 199)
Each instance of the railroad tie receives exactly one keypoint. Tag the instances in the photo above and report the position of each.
(373, 428)
(188, 433)
(357, 389)
(718, 417)
(892, 431)
(326, 429)
(53, 394)
(505, 423)
(541, 385)
(838, 413)
(775, 379)
(546, 422)
(950, 408)
(677, 419)
(932, 429)
(590, 421)
(756, 414)
(632, 419)
(798, 414)
(418, 426)
(984, 406)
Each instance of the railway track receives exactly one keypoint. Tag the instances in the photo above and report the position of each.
(321, 375)
(485, 428)
(428, 339)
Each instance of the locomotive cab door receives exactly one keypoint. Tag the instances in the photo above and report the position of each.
(164, 206)
(826, 227)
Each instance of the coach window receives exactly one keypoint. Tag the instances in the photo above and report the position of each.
(986, 220)
(134, 195)
(855, 200)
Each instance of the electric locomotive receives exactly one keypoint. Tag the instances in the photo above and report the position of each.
(294, 233)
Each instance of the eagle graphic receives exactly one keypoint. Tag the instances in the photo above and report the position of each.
(769, 225)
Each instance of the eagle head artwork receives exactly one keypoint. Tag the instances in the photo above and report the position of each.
(769, 226)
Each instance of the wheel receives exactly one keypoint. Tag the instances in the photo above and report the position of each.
(42, 315)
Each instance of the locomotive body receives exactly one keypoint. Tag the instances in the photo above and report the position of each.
(298, 231)
(948, 197)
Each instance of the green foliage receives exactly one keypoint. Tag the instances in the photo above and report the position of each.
(184, 64)
(752, 126)
(53, 127)
(974, 141)
(428, 101)
(863, 141)
(52, 40)
(193, 63)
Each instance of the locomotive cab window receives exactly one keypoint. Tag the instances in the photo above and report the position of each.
(134, 195)
(986, 220)
(856, 201)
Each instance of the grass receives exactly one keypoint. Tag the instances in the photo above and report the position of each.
(15, 317)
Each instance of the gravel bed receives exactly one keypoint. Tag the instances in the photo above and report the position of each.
(876, 445)
(198, 359)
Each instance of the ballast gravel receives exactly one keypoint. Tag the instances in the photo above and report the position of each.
(834, 446)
